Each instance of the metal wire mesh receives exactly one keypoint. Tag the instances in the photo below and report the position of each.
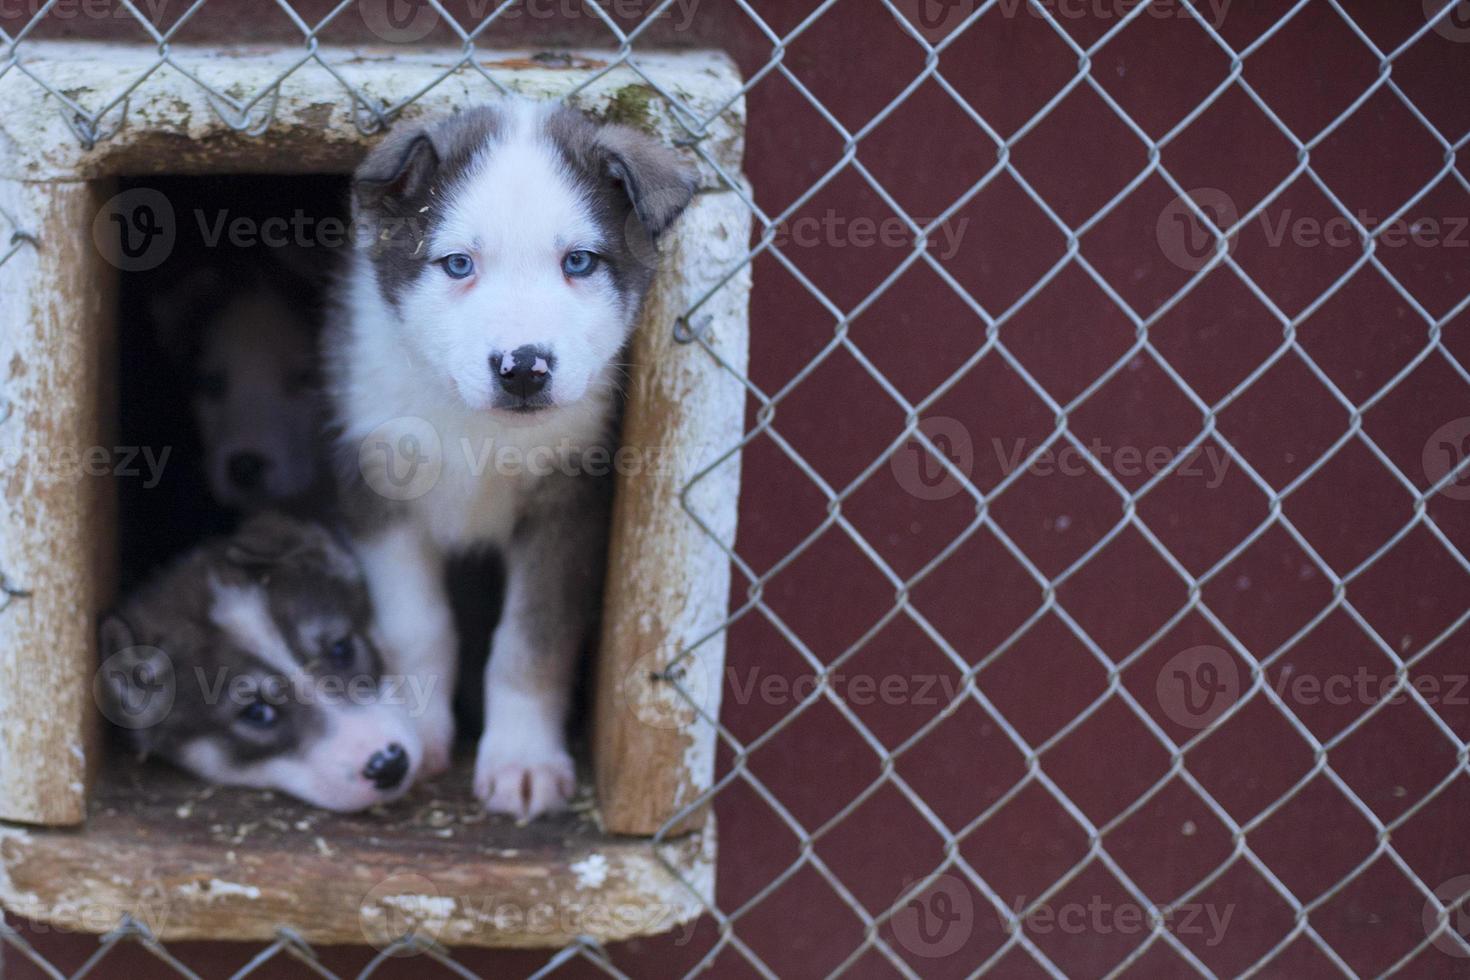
(253, 115)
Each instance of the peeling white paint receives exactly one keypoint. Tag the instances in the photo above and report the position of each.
(214, 889)
(9, 894)
(430, 907)
(35, 143)
(591, 871)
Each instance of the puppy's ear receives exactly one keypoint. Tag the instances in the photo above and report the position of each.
(270, 542)
(400, 168)
(114, 634)
(134, 686)
(657, 181)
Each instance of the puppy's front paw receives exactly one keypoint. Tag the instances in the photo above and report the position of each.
(523, 780)
(436, 731)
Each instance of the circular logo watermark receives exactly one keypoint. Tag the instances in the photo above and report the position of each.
(135, 687)
(135, 231)
(1445, 450)
(934, 19)
(1455, 25)
(667, 698)
(401, 459)
(1459, 917)
(938, 920)
(923, 476)
(1181, 237)
(399, 21)
(1198, 685)
(403, 905)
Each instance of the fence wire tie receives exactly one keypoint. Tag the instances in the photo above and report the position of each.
(684, 333)
(9, 593)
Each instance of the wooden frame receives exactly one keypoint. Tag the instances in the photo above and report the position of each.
(668, 575)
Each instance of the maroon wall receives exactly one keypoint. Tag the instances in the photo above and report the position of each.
(1115, 619)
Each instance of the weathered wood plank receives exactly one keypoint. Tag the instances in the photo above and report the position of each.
(171, 125)
(668, 580)
(57, 359)
(193, 862)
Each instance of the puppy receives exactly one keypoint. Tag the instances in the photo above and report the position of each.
(250, 661)
(245, 330)
(505, 254)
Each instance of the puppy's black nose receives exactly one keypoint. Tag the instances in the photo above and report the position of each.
(247, 470)
(387, 767)
(524, 371)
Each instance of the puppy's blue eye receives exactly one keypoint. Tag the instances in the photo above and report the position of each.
(259, 714)
(458, 265)
(580, 262)
(340, 653)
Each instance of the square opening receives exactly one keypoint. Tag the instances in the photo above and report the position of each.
(85, 829)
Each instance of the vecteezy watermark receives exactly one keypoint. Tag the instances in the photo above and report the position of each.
(408, 21)
(919, 472)
(834, 230)
(135, 687)
(66, 916)
(922, 474)
(403, 905)
(1100, 917)
(1450, 937)
(408, 905)
(68, 10)
(1183, 239)
(401, 459)
(404, 458)
(1209, 463)
(1368, 688)
(409, 691)
(1197, 686)
(1190, 244)
(1452, 23)
(68, 464)
(1445, 452)
(935, 19)
(855, 688)
(668, 697)
(937, 920)
(138, 230)
(135, 230)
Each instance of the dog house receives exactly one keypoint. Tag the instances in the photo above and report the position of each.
(82, 842)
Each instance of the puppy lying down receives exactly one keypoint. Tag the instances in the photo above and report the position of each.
(251, 661)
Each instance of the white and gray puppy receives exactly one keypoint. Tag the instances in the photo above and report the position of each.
(250, 661)
(506, 255)
(246, 333)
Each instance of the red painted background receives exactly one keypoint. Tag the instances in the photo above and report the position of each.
(856, 60)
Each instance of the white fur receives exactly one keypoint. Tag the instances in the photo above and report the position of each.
(517, 215)
(243, 613)
(328, 773)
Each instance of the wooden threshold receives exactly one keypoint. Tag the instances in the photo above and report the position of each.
(190, 861)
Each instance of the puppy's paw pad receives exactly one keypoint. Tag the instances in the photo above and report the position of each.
(526, 789)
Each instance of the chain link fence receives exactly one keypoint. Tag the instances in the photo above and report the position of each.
(1201, 690)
